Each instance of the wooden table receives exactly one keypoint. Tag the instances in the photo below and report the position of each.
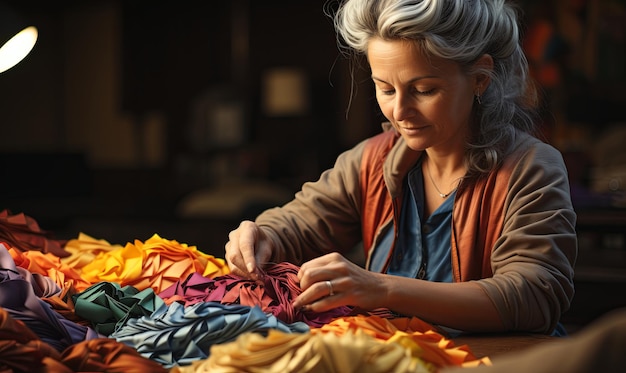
(491, 345)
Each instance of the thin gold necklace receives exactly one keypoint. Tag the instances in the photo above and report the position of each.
(442, 195)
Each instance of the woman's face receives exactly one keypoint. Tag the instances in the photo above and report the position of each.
(427, 99)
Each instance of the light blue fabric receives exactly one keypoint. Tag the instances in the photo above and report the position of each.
(179, 335)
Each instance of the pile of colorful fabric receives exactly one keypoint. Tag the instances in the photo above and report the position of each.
(164, 306)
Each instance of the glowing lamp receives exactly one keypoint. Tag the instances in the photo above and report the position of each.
(17, 38)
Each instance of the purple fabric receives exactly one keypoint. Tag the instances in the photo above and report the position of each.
(18, 298)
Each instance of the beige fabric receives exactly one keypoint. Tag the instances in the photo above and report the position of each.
(308, 353)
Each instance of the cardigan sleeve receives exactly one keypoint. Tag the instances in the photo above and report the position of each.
(533, 259)
(323, 217)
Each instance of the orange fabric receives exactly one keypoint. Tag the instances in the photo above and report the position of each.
(51, 266)
(478, 221)
(377, 207)
(478, 214)
(63, 304)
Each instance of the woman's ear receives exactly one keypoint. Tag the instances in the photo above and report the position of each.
(484, 63)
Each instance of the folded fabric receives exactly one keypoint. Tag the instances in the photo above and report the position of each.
(22, 351)
(274, 292)
(84, 249)
(108, 305)
(178, 335)
(350, 344)
(156, 263)
(23, 232)
(19, 299)
(420, 337)
(51, 266)
(107, 355)
(278, 352)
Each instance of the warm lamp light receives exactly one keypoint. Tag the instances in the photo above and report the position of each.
(17, 39)
(14, 50)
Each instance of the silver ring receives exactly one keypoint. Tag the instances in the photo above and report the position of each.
(330, 288)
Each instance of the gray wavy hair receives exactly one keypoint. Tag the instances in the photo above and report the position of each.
(462, 31)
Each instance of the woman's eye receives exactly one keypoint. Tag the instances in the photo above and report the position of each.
(424, 92)
(415, 90)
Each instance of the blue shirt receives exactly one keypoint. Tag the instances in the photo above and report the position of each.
(423, 247)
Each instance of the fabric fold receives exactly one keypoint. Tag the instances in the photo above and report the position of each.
(178, 335)
(274, 293)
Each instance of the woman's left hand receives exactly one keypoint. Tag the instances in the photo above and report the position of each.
(332, 280)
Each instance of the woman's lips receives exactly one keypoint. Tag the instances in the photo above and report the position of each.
(412, 130)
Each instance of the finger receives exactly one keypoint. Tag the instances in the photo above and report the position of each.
(234, 259)
(314, 263)
(247, 240)
(316, 293)
(311, 273)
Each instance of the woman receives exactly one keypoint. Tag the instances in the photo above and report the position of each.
(465, 218)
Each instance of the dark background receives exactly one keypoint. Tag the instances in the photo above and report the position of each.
(108, 126)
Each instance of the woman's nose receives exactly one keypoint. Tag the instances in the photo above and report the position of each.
(403, 108)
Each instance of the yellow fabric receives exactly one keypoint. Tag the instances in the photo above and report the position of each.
(156, 263)
(346, 344)
(420, 337)
(84, 249)
(311, 353)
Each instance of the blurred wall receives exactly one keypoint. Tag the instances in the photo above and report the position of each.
(161, 99)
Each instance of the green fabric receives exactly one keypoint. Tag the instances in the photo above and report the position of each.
(108, 306)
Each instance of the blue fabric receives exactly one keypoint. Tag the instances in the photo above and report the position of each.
(419, 246)
(179, 335)
(408, 256)
(381, 251)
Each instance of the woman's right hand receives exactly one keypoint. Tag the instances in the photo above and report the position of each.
(247, 250)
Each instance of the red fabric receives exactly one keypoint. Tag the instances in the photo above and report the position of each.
(273, 293)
